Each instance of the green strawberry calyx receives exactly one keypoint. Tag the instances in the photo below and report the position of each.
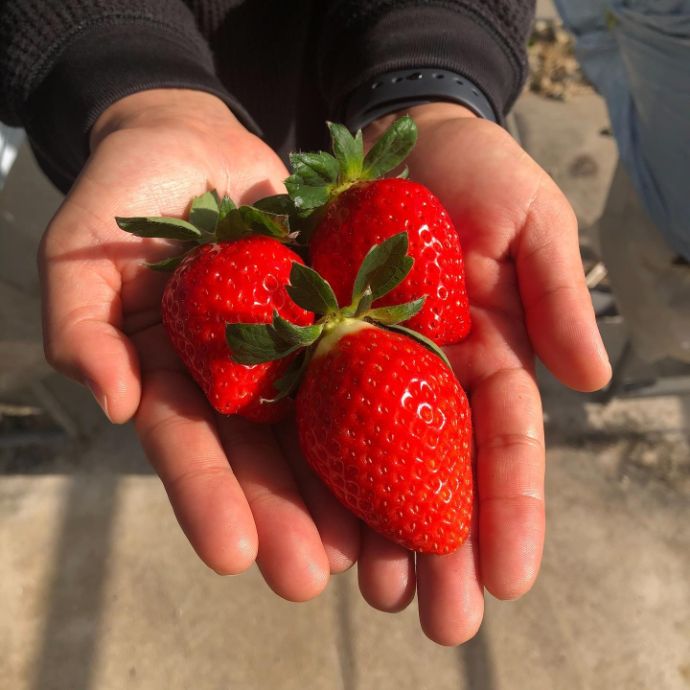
(319, 177)
(213, 218)
(384, 267)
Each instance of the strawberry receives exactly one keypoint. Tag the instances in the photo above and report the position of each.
(353, 210)
(386, 426)
(381, 418)
(225, 282)
(242, 278)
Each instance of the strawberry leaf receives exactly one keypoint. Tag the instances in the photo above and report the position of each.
(384, 267)
(310, 291)
(391, 149)
(250, 220)
(305, 197)
(293, 334)
(254, 343)
(365, 303)
(166, 228)
(348, 150)
(288, 383)
(301, 222)
(390, 316)
(280, 204)
(422, 340)
(315, 169)
(204, 212)
(225, 205)
(232, 227)
(264, 222)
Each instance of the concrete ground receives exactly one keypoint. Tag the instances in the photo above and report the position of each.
(99, 590)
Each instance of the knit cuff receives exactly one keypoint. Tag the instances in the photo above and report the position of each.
(442, 38)
(100, 66)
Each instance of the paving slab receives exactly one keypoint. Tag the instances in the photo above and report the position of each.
(571, 140)
(101, 590)
(104, 591)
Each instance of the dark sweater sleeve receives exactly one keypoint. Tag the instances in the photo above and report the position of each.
(484, 40)
(63, 63)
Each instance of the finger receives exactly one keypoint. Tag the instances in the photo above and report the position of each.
(450, 594)
(178, 433)
(338, 527)
(495, 369)
(386, 572)
(508, 429)
(81, 328)
(505, 205)
(291, 556)
(558, 309)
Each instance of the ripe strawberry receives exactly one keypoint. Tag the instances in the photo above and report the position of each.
(232, 274)
(368, 213)
(357, 210)
(227, 282)
(386, 426)
(381, 418)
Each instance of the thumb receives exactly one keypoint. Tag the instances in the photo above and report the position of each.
(81, 333)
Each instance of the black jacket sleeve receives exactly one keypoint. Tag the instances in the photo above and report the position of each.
(64, 63)
(483, 40)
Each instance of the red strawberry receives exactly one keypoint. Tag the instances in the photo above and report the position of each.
(355, 211)
(232, 275)
(368, 213)
(381, 417)
(386, 426)
(242, 281)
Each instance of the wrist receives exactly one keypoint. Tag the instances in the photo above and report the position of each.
(162, 107)
(424, 115)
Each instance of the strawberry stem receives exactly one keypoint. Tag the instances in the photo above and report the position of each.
(319, 177)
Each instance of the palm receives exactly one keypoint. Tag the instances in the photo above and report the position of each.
(102, 314)
(163, 170)
(236, 488)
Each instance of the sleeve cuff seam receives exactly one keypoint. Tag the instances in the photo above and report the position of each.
(42, 69)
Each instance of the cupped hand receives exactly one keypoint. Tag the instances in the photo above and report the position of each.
(232, 490)
(528, 295)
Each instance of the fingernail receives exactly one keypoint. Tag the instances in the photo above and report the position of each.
(100, 397)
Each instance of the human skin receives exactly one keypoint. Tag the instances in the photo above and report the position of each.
(243, 493)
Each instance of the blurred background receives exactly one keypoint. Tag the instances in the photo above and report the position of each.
(100, 590)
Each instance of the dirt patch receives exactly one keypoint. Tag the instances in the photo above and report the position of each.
(554, 71)
(29, 439)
